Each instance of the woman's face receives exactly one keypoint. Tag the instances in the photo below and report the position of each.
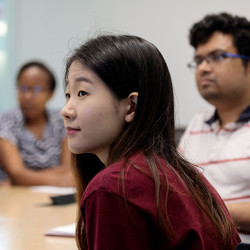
(93, 116)
(33, 92)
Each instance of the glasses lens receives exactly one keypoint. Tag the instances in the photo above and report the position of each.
(23, 89)
(37, 89)
(192, 65)
(217, 57)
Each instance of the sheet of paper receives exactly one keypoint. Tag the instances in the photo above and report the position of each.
(63, 231)
(53, 190)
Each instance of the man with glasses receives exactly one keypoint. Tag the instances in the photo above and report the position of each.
(218, 140)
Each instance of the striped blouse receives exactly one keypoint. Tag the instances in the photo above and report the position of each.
(36, 153)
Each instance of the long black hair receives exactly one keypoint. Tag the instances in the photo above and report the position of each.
(131, 64)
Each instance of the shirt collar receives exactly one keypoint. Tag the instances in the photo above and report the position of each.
(244, 116)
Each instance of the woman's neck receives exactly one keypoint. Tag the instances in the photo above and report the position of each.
(36, 125)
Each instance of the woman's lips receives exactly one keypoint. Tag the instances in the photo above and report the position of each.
(71, 131)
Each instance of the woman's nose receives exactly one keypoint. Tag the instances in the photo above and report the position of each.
(27, 95)
(68, 112)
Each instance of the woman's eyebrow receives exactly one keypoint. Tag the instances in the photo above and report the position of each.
(80, 79)
(83, 79)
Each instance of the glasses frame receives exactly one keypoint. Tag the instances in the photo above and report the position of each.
(223, 55)
(35, 90)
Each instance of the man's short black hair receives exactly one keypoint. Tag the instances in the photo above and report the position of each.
(238, 27)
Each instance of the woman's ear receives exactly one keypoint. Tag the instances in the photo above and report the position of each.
(132, 98)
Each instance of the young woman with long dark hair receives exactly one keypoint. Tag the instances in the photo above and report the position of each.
(134, 189)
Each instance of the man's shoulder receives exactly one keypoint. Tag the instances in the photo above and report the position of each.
(198, 122)
(203, 116)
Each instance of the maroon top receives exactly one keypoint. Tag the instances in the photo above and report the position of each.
(132, 224)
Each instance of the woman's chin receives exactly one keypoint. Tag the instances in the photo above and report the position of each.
(75, 150)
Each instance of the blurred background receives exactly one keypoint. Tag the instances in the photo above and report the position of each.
(48, 30)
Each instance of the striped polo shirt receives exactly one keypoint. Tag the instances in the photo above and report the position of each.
(222, 153)
(36, 154)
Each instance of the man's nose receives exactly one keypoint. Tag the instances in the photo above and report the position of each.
(205, 65)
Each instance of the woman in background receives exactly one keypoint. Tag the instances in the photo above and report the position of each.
(134, 190)
(32, 138)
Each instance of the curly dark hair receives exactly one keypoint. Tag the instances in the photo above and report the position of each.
(42, 66)
(238, 27)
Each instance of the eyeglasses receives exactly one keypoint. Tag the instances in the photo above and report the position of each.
(36, 90)
(214, 57)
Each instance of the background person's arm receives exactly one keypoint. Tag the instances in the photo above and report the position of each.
(13, 164)
(240, 213)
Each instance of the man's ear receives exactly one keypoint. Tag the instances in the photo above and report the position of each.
(132, 98)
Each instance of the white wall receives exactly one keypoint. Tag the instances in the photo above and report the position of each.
(47, 30)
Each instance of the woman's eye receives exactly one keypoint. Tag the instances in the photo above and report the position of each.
(81, 93)
(67, 96)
